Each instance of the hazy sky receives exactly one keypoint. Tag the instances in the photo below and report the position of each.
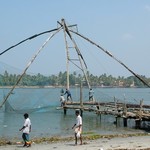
(120, 26)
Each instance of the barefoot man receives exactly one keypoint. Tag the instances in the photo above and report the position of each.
(78, 127)
(26, 129)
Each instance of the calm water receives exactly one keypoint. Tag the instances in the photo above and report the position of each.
(52, 122)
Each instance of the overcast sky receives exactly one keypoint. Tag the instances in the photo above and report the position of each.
(120, 26)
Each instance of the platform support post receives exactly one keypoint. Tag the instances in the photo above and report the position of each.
(65, 111)
(125, 122)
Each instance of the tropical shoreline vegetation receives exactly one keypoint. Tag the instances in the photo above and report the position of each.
(40, 80)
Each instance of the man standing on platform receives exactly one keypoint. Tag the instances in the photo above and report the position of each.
(91, 95)
(68, 95)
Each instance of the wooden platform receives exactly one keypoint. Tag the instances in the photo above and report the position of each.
(138, 112)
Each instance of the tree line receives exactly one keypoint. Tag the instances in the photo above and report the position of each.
(103, 80)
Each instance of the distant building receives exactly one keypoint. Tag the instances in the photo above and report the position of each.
(133, 84)
(121, 83)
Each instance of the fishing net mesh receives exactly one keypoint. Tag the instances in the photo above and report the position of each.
(22, 99)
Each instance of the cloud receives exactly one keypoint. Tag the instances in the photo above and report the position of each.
(147, 8)
(127, 36)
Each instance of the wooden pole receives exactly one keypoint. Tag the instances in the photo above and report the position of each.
(81, 59)
(28, 65)
(108, 53)
(116, 122)
(81, 102)
(67, 60)
(137, 123)
(125, 122)
(81, 112)
(65, 111)
(100, 117)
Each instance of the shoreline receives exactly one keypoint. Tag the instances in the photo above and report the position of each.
(91, 142)
(60, 86)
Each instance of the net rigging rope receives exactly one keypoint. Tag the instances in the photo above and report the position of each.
(109, 54)
(28, 65)
(32, 37)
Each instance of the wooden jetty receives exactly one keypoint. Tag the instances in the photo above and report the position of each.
(138, 112)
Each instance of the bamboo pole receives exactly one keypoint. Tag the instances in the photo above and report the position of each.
(77, 50)
(108, 53)
(68, 58)
(28, 65)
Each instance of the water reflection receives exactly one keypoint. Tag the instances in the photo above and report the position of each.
(54, 123)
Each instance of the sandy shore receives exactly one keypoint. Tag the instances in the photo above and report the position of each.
(116, 143)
